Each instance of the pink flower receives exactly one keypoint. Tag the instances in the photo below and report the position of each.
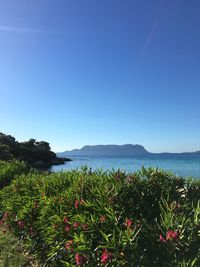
(76, 225)
(105, 256)
(128, 222)
(68, 244)
(65, 220)
(80, 259)
(161, 238)
(76, 203)
(171, 235)
(1, 222)
(67, 227)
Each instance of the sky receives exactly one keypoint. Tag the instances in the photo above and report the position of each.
(77, 73)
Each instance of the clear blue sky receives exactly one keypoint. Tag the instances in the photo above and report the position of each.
(101, 72)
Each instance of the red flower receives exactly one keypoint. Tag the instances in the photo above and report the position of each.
(67, 227)
(128, 222)
(76, 225)
(171, 235)
(68, 244)
(76, 203)
(65, 220)
(161, 238)
(1, 222)
(102, 219)
(105, 256)
(80, 259)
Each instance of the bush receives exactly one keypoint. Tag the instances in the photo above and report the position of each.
(148, 218)
(9, 170)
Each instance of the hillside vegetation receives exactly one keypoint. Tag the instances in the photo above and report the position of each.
(83, 218)
(35, 153)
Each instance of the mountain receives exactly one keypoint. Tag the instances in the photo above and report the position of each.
(121, 150)
(107, 150)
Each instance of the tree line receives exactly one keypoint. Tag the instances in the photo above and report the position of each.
(30, 151)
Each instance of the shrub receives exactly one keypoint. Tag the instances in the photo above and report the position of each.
(148, 218)
(9, 170)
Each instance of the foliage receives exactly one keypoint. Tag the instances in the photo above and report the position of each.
(10, 170)
(13, 252)
(31, 151)
(84, 218)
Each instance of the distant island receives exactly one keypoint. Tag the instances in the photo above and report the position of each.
(117, 150)
(108, 150)
(35, 153)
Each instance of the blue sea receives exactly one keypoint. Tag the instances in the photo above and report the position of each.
(185, 165)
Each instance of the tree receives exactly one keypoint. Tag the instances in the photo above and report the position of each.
(5, 153)
(43, 145)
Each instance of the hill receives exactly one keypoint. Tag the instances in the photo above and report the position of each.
(108, 150)
(35, 153)
(122, 150)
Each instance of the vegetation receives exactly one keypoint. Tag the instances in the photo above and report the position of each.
(10, 170)
(84, 218)
(37, 154)
(14, 252)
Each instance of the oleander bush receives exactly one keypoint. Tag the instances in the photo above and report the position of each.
(9, 170)
(82, 218)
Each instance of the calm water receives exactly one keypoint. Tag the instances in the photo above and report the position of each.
(183, 165)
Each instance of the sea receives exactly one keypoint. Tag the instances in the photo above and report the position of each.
(185, 165)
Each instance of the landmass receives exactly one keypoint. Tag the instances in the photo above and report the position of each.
(119, 150)
(35, 153)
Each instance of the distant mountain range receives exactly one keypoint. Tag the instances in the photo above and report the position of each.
(114, 150)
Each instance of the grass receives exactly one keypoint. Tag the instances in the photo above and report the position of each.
(14, 252)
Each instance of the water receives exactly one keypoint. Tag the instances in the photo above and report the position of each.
(183, 165)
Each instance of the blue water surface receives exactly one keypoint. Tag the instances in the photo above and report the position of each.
(182, 165)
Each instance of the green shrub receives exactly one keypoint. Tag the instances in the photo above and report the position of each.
(148, 218)
(9, 170)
